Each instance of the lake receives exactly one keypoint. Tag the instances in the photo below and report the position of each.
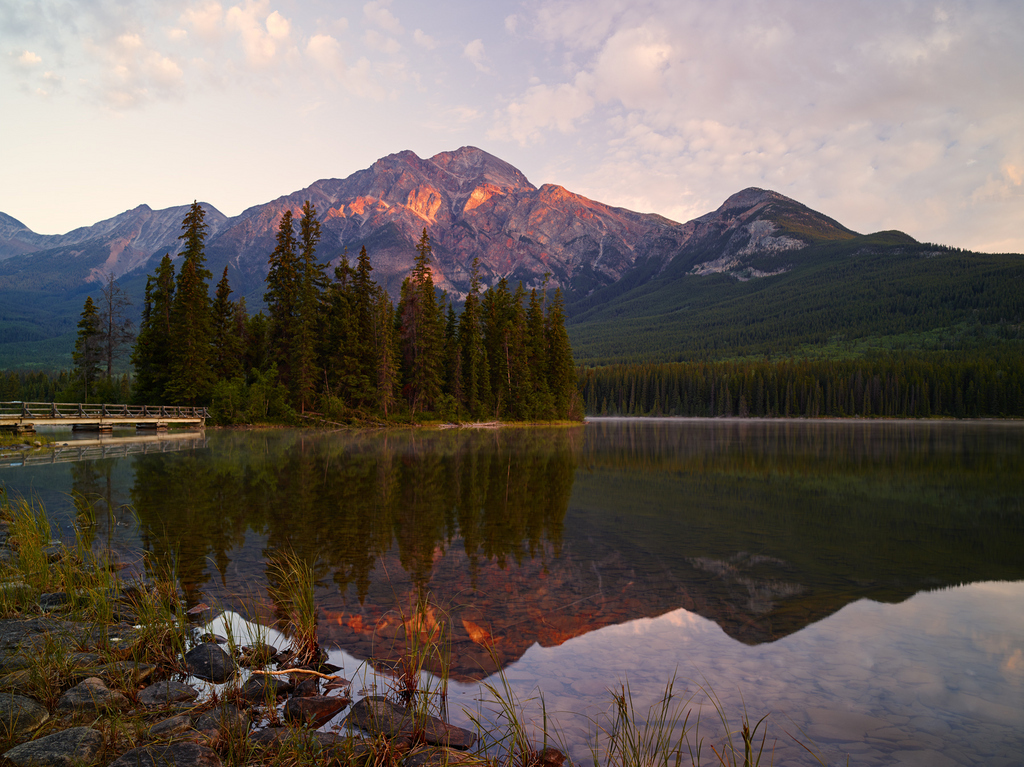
(860, 582)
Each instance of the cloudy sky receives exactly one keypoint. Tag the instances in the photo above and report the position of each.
(883, 114)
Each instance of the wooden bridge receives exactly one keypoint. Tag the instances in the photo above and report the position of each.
(24, 417)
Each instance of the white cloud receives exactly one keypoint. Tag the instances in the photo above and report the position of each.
(511, 23)
(544, 107)
(879, 109)
(263, 35)
(326, 51)
(377, 13)
(631, 68)
(424, 40)
(474, 51)
(378, 42)
(29, 59)
(206, 19)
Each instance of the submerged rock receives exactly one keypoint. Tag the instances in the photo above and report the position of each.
(376, 714)
(314, 711)
(209, 661)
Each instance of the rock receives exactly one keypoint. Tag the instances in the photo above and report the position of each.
(314, 712)
(257, 655)
(226, 719)
(209, 661)
(181, 754)
(167, 728)
(166, 693)
(307, 688)
(16, 680)
(261, 688)
(549, 757)
(69, 748)
(376, 714)
(53, 601)
(126, 673)
(19, 716)
(91, 695)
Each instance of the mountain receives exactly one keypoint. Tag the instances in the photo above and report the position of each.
(681, 289)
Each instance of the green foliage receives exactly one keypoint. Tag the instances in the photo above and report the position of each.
(88, 347)
(191, 375)
(151, 355)
(888, 385)
(881, 286)
(262, 399)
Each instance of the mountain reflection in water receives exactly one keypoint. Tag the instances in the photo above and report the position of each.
(537, 535)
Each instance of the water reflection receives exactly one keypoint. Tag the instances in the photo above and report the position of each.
(535, 536)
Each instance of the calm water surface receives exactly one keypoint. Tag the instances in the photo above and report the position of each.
(862, 582)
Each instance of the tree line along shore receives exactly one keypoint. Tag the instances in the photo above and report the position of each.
(331, 349)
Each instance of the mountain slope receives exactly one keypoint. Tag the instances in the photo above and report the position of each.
(762, 274)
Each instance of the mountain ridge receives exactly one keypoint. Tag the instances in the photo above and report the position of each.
(640, 276)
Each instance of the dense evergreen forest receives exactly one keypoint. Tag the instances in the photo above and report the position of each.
(888, 385)
(337, 349)
(326, 349)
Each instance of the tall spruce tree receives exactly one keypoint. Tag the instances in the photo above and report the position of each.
(282, 296)
(190, 373)
(88, 352)
(307, 328)
(422, 333)
(473, 370)
(563, 381)
(228, 341)
(151, 354)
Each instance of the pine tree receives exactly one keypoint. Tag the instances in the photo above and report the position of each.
(306, 329)
(190, 377)
(562, 380)
(386, 353)
(88, 346)
(228, 343)
(282, 296)
(421, 336)
(474, 372)
(151, 355)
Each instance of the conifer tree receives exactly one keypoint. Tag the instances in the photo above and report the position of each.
(88, 346)
(306, 328)
(151, 355)
(386, 353)
(561, 371)
(421, 335)
(474, 372)
(282, 296)
(190, 376)
(228, 343)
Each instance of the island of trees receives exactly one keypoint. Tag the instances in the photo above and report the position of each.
(336, 349)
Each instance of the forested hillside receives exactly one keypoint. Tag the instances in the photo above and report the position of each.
(882, 291)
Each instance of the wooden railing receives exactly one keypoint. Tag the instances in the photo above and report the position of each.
(44, 411)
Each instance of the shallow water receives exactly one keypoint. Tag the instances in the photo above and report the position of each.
(860, 582)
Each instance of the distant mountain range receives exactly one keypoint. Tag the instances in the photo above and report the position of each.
(621, 270)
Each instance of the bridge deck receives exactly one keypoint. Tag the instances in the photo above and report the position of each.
(25, 416)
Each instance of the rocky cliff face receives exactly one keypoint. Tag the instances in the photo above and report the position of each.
(127, 240)
(474, 206)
